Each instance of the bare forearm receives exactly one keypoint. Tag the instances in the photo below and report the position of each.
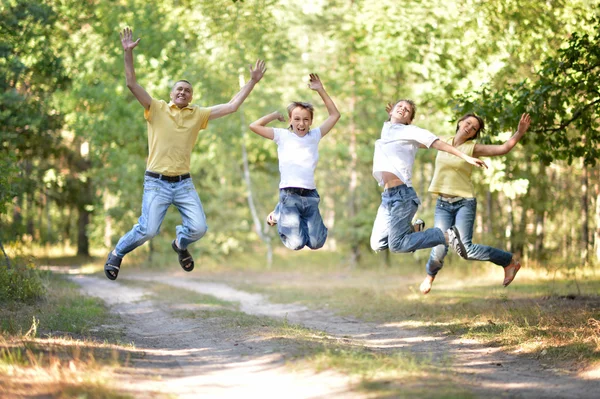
(329, 104)
(512, 142)
(241, 96)
(265, 120)
(129, 69)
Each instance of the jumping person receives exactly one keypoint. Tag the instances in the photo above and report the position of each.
(172, 131)
(297, 212)
(456, 203)
(393, 162)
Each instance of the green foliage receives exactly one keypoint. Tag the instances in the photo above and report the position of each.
(564, 101)
(21, 283)
(62, 90)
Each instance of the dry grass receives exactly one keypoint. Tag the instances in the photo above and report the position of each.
(59, 367)
(551, 313)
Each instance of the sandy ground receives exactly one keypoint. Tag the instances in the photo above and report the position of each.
(191, 358)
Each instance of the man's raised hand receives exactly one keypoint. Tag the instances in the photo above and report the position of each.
(126, 39)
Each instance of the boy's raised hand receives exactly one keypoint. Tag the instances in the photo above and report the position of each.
(280, 117)
(127, 39)
(315, 82)
(389, 107)
(258, 71)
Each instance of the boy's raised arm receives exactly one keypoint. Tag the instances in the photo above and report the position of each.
(232, 106)
(334, 114)
(259, 126)
(138, 91)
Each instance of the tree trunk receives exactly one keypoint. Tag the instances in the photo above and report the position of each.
(597, 229)
(83, 242)
(539, 233)
(29, 225)
(585, 240)
(540, 214)
(83, 246)
(261, 229)
(510, 225)
(352, 206)
(488, 213)
(17, 220)
(5, 255)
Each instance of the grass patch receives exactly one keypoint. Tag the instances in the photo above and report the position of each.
(59, 346)
(377, 371)
(550, 317)
(63, 310)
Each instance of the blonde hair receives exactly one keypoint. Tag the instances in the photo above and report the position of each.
(296, 104)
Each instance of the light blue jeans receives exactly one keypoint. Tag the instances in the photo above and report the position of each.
(299, 221)
(393, 225)
(158, 196)
(462, 215)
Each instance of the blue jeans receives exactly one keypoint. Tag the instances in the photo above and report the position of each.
(299, 221)
(462, 215)
(158, 196)
(393, 225)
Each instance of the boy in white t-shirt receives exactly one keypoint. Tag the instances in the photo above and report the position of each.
(297, 215)
(393, 161)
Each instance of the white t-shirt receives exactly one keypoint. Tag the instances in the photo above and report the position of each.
(298, 157)
(395, 151)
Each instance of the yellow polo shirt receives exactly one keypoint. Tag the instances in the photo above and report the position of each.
(172, 133)
(452, 175)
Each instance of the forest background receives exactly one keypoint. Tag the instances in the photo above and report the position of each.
(74, 143)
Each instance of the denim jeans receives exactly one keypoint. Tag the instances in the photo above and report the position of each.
(462, 215)
(158, 196)
(393, 229)
(299, 221)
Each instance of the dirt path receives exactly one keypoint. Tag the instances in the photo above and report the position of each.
(198, 359)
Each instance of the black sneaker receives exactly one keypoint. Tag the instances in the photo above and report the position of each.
(456, 243)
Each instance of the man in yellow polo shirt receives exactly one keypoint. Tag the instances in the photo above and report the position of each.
(172, 131)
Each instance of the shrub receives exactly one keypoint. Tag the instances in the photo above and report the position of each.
(22, 282)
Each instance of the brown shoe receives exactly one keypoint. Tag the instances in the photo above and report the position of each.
(510, 272)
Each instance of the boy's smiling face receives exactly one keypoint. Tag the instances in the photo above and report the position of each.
(300, 120)
(402, 113)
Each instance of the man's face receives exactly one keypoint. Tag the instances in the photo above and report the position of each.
(181, 95)
(300, 121)
(402, 113)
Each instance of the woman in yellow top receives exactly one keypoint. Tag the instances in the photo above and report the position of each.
(456, 204)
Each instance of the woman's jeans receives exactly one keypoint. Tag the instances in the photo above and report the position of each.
(299, 221)
(158, 196)
(462, 215)
(393, 225)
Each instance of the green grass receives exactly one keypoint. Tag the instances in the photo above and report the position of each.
(57, 347)
(63, 310)
(378, 372)
(551, 318)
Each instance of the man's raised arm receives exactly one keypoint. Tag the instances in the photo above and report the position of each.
(232, 106)
(138, 91)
